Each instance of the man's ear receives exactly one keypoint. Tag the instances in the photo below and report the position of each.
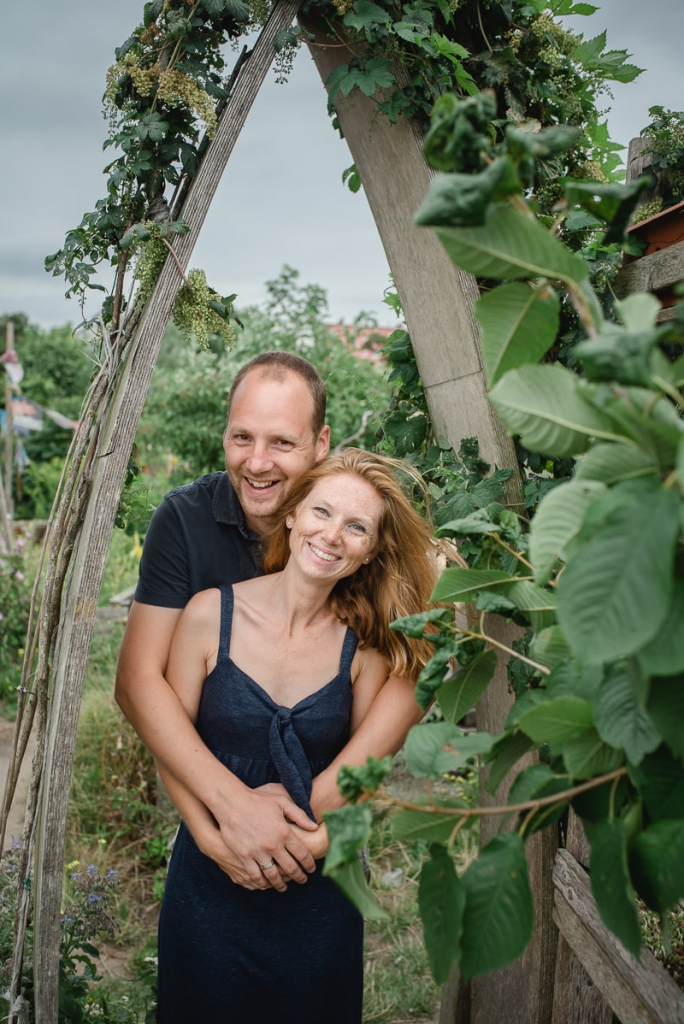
(322, 444)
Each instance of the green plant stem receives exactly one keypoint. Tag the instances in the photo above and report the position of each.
(471, 635)
(516, 554)
(669, 390)
(477, 812)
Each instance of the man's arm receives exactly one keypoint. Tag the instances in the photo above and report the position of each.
(254, 826)
(381, 732)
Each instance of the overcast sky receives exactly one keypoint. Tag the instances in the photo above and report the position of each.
(281, 199)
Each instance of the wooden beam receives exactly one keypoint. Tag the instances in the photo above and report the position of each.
(653, 273)
(80, 600)
(639, 993)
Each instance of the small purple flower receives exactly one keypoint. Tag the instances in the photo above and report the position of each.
(1, 616)
(93, 898)
(19, 574)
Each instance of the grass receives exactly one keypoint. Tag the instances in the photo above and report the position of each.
(672, 959)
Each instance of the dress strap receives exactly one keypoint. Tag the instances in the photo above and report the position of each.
(226, 620)
(348, 651)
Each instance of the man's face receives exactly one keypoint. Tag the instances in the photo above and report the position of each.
(269, 443)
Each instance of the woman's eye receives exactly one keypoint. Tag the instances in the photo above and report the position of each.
(357, 527)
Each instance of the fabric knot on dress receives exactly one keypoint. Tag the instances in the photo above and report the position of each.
(290, 760)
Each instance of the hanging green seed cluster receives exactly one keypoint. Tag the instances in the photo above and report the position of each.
(150, 261)
(194, 316)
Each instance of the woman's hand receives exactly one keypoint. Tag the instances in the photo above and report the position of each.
(317, 842)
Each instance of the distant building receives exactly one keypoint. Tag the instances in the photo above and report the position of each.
(365, 342)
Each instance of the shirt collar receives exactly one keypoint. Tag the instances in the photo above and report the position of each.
(227, 508)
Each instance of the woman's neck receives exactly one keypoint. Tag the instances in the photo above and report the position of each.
(297, 602)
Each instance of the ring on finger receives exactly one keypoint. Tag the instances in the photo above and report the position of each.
(268, 865)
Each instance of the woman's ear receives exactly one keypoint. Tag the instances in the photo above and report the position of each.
(289, 522)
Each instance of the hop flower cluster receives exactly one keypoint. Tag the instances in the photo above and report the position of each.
(150, 260)
(176, 89)
(193, 315)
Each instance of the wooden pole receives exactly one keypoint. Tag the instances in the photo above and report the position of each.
(85, 579)
(9, 461)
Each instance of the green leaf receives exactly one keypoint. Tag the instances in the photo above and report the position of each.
(534, 784)
(432, 676)
(414, 625)
(519, 324)
(528, 782)
(656, 860)
(436, 748)
(622, 356)
(611, 886)
(557, 720)
(462, 691)
(664, 654)
(619, 716)
(461, 200)
(556, 522)
(613, 204)
(365, 16)
(441, 900)
(488, 601)
(427, 825)
(477, 522)
(348, 829)
(550, 647)
(499, 912)
(660, 778)
(610, 463)
(615, 592)
(151, 12)
(546, 406)
(665, 708)
(463, 584)
(536, 604)
(588, 755)
(511, 245)
(352, 881)
(568, 680)
(638, 312)
(354, 780)
(505, 753)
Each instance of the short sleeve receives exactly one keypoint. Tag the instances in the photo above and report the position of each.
(164, 575)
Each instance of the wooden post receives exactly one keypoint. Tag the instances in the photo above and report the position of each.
(114, 447)
(9, 460)
(438, 299)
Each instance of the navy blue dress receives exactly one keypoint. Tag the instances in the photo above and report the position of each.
(228, 955)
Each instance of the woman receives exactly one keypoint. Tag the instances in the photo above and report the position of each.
(277, 672)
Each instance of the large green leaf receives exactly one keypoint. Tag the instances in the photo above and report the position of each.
(647, 418)
(352, 882)
(441, 900)
(499, 912)
(656, 860)
(588, 755)
(511, 245)
(538, 605)
(534, 783)
(458, 695)
(348, 829)
(432, 675)
(438, 747)
(505, 753)
(518, 324)
(664, 654)
(569, 680)
(660, 778)
(428, 825)
(557, 720)
(550, 647)
(614, 594)
(611, 886)
(556, 522)
(665, 708)
(463, 584)
(619, 716)
(546, 406)
(610, 463)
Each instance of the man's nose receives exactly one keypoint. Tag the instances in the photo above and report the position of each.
(260, 460)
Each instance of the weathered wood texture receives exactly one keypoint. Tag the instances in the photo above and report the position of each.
(652, 273)
(80, 601)
(639, 993)
(437, 298)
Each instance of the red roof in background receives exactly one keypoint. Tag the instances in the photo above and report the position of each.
(365, 342)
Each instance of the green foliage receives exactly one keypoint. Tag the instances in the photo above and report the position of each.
(199, 311)
(15, 600)
(665, 137)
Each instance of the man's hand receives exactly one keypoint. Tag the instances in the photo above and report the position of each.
(256, 828)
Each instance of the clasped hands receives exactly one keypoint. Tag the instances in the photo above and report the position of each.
(265, 840)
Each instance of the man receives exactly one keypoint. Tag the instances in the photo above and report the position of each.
(201, 536)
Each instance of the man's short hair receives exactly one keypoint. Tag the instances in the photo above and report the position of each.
(277, 365)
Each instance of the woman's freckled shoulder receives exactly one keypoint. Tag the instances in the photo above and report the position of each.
(369, 660)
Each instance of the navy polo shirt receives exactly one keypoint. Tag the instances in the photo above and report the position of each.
(197, 538)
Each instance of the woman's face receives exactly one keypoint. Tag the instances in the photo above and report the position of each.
(335, 528)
